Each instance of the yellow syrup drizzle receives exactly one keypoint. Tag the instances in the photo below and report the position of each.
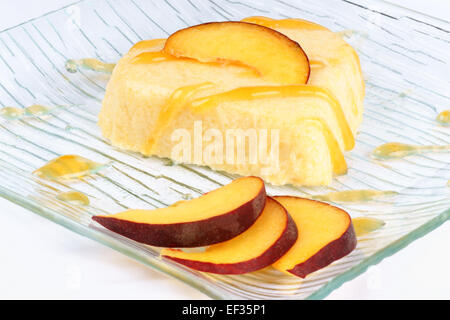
(68, 167)
(303, 25)
(154, 48)
(259, 92)
(154, 56)
(395, 150)
(176, 102)
(354, 195)
(317, 64)
(444, 118)
(337, 157)
(147, 57)
(357, 64)
(148, 45)
(37, 110)
(72, 65)
(74, 197)
(284, 23)
(365, 225)
(11, 113)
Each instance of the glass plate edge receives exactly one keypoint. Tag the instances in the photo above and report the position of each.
(380, 255)
(116, 244)
(214, 292)
(198, 284)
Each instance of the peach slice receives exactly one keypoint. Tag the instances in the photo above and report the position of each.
(271, 236)
(214, 217)
(326, 234)
(275, 56)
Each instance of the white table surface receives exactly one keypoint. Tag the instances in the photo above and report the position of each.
(42, 260)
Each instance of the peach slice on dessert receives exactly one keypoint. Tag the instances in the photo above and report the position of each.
(214, 217)
(271, 236)
(326, 234)
(331, 56)
(276, 57)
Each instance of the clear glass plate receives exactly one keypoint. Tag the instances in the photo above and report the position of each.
(405, 61)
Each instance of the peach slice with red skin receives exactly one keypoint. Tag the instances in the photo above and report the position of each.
(275, 56)
(214, 217)
(326, 234)
(271, 236)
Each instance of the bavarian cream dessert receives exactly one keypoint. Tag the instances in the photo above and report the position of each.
(293, 88)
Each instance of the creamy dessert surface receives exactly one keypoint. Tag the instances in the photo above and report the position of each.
(316, 125)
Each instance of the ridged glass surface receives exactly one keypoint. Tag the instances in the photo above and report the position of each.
(405, 61)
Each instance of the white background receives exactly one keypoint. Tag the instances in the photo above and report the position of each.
(42, 260)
